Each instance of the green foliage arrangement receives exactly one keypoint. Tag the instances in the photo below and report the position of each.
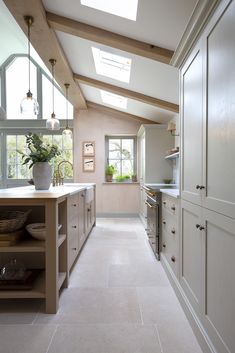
(110, 170)
(38, 150)
(121, 178)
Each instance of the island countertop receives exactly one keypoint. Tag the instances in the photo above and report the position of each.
(54, 192)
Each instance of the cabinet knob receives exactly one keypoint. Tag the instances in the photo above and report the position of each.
(197, 226)
(74, 226)
(74, 204)
(172, 258)
(74, 249)
(173, 231)
(198, 187)
(164, 202)
(201, 228)
(173, 208)
(163, 245)
(202, 187)
(164, 222)
(89, 210)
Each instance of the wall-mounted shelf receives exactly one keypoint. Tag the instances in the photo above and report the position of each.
(173, 155)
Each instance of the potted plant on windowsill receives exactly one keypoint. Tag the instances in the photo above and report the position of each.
(38, 156)
(109, 171)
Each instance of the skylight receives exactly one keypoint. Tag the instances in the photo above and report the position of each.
(122, 8)
(113, 99)
(111, 65)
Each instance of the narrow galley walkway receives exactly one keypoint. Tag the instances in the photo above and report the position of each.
(119, 301)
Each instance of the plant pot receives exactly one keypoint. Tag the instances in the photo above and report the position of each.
(42, 174)
(109, 177)
(134, 178)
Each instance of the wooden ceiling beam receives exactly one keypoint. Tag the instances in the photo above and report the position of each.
(159, 103)
(119, 113)
(108, 38)
(47, 46)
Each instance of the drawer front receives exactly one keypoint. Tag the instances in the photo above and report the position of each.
(170, 223)
(169, 249)
(73, 202)
(171, 204)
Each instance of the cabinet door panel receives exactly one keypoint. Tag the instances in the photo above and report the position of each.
(191, 135)
(220, 123)
(219, 305)
(191, 254)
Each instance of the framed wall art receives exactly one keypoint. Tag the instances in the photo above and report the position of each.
(88, 164)
(88, 148)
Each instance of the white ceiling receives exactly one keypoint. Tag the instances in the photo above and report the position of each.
(159, 22)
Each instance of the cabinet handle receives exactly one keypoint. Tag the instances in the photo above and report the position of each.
(173, 208)
(74, 226)
(172, 258)
(198, 187)
(173, 231)
(197, 226)
(202, 187)
(163, 245)
(164, 222)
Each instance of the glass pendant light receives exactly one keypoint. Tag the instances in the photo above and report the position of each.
(53, 123)
(67, 131)
(29, 106)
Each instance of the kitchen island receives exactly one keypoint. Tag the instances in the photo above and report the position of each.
(68, 212)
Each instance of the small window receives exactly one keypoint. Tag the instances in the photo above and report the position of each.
(121, 153)
(15, 168)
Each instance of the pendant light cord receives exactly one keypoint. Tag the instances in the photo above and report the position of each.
(29, 25)
(53, 88)
(67, 119)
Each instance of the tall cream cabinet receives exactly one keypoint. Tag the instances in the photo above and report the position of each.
(207, 276)
(153, 142)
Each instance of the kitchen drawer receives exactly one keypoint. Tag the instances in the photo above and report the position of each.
(170, 252)
(171, 204)
(73, 202)
(170, 223)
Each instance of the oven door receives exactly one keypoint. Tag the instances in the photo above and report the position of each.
(152, 224)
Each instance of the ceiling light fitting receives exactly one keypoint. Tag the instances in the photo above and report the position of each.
(29, 106)
(67, 131)
(53, 123)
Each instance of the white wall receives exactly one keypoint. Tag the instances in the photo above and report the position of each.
(93, 125)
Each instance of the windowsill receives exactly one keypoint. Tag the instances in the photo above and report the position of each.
(121, 182)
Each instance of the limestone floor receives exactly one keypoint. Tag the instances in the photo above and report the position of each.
(119, 301)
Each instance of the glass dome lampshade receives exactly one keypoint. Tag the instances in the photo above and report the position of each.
(67, 132)
(29, 106)
(53, 123)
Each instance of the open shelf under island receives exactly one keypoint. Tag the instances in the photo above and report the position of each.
(72, 206)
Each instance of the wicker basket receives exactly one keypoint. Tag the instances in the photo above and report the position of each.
(12, 220)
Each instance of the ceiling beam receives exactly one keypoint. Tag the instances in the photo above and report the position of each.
(108, 38)
(119, 113)
(127, 93)
(47, 46)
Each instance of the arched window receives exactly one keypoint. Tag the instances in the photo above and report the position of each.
(16, 74)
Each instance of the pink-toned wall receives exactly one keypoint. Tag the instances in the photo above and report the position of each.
(94, 125)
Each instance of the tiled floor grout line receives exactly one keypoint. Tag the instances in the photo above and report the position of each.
(49, 345)
(159, 339)
(141, 314)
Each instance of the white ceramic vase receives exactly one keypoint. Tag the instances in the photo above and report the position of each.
(42, 174)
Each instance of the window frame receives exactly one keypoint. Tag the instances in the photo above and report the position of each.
(6, 182)
(121, 137)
